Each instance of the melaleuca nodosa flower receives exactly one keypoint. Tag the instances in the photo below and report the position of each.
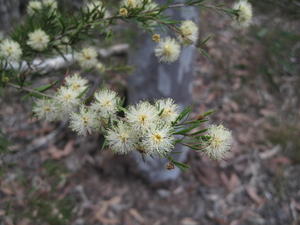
(33, 6)
(158, 140)
(219, 143)
(189, 32)
(168, 110)
(83, 122)
(142, 116)
(244, 14)
(38, 40)
(87, 58)
(46, 109)
(76, 83)
(10, 50)
(52, 4)
(121, 138)
(167, 50)
(106, 103)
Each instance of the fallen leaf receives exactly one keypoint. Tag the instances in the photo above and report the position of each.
(137, 216)
(57, 153)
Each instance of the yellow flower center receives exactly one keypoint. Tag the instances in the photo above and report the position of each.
(157, 137)
(143, 118)
(167, 51)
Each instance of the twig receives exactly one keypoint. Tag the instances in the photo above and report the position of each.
(30, 90)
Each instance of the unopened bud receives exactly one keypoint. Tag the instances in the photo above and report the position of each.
(123, 12)
(156, 37)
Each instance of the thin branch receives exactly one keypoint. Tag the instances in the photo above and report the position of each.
(30, 90)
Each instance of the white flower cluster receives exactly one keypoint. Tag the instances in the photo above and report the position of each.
(96, 6)
(35, 5)
(87, 59)
(38, 40)
(146, 128)
(168, 49)
(10, 50)
(65, 101)
(245, 13)
(220, 141)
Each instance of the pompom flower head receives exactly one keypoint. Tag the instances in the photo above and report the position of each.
(219, 143)
(121, 138)
(45, 109)
(50, 3)
(168, 110)
(106, 103)
(10, 50)
(38, 40)
(245, 13)
(131, 3)
(189, 31)
(33, 6)
(142, 116)
(167, 50)
(87, 58)
(76, 83)
(158, 141)
(67, 100)
(83, 122)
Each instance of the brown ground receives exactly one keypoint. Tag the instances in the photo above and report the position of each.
(70, 182)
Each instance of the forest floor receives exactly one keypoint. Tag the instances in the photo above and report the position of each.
(250, 78)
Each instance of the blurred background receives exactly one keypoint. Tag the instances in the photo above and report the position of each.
(250, 77)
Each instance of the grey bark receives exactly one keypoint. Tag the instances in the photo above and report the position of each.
(9, 12)
(153, 80)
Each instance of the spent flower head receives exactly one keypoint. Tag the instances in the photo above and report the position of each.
(167, 50)
(220, 140)
(10, 50)
(38, 40)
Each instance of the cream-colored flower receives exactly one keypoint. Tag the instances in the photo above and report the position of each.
(121, 138)
(50, 3)
(189, 32)
(38, 40)
(87, 58)
(76, 83)
(33, 6)
(45, 109)
(158, 141)
(245, 13)
(167, 50)
(132, 3)
(220, 140)
(83, 122)
(100, 67)
(168, 110)
(106, 103)
(10, 50)
(142, 116)
(67, 100)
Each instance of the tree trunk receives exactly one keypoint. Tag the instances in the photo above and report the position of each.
(152, 80)
(9, 12)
